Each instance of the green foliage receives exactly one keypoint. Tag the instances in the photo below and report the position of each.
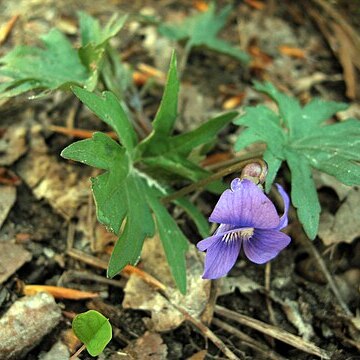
(299, 136)
(94, 330)
(202, 30)
(57, 65)
(128, 199)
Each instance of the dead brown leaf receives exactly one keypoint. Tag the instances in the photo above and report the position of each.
(149, 346)
(48, 177)
(12, 144)
(344, 226)
(200, 355)
(164, 316)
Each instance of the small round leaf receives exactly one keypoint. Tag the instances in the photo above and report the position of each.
(94, 330)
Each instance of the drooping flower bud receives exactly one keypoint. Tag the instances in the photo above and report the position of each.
(255, 172)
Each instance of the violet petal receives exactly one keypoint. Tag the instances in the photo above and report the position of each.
(245, 206)
(220, 258)
(284, 218)
(264, 245)
(209, 241)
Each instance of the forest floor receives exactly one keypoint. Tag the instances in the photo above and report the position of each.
(308, 296)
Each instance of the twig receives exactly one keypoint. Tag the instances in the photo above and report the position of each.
(335, 14)
(208, 333)
(78, 133)
(273, 331)
(325, 271)
(267, 299)
(248, 341)
(78, 352)
(225, 163)
(73, 275)
(203, 182)
(6, 28)
(128, 270)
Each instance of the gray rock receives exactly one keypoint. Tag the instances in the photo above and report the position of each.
(27, 321)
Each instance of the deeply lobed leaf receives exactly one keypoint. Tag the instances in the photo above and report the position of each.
(202, 29)
(300, 136)
(57, 64)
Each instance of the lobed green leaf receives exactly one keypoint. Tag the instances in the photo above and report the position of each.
(185, 143)
(108, 108)
(202, 29)
(303, 193)
(139, 224)
(173, 240)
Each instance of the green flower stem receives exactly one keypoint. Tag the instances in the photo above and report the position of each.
(203, 182)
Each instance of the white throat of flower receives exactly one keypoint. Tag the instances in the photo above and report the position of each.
(244, 234)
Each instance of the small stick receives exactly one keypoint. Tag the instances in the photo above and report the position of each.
(78, 133)
(325, 271)
(225, 163)
(273, 331)
(78, 352)
(248, 341)
(6, 28)
(208, 333)
(128, 270)
(267, 299)
(340, 20)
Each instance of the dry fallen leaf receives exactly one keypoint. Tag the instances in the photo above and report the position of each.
(344, 226)
(200, 355)
(12, 144)
(149, 346)
(48, 178)
(194, 108)
(164, 316)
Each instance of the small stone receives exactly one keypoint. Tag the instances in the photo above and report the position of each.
(59, 351)
(24, 325)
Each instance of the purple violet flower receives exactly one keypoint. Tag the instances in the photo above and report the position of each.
(247, 218)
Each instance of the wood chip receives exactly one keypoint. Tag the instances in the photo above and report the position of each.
(6, 29)
(12, 258)
(7, 200)
(59, 292)
(256, 4)
(292, 51)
